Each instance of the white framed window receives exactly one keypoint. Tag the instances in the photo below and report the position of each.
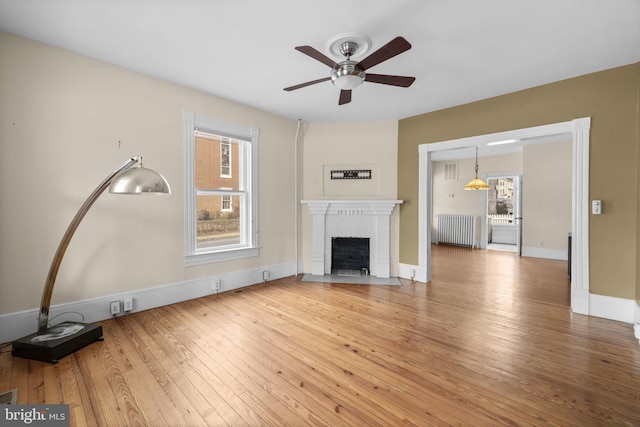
(225, 158)
(227, 201)
(220, 190)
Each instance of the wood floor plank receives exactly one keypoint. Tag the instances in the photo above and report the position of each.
(262, 380)
(490, 341)
(154, 342)
(71, 394)
(141, 372)
(392, 364)
(103, 398)
(348, 366)
(200, 369)
(280, 370)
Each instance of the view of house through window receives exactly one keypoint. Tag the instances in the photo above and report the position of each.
(221, 198)
(219, 194)
(500, 200)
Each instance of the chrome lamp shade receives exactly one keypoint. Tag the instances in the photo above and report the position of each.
(139, 181)
(49, 344)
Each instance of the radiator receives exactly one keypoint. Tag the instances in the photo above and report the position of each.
(456, 229)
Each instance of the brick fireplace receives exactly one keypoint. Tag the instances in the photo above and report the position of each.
(351, 218)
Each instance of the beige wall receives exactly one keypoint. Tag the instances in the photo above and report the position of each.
(349, 145)
(610, 98)
(546, 195)
(66, 121)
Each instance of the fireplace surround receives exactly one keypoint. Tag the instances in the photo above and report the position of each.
(351, 218)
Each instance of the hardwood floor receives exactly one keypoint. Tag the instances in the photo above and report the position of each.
(490, 341)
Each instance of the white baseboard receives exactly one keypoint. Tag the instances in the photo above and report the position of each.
(612, 308)
(412, 272)
(546, 253)
(22, 323)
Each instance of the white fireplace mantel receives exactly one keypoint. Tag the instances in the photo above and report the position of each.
(351, 218)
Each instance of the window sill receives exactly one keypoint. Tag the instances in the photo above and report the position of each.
(226, 255)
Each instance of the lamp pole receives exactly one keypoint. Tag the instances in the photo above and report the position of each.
(45, 304)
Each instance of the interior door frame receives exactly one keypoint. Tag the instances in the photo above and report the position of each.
(578, 131)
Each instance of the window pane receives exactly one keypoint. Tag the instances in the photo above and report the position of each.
(216, 165)
(217, 225)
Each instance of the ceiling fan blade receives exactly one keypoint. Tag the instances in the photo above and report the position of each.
(308, 50)
(312, 82)
(388, 51)
(385, 79)
(345, 97)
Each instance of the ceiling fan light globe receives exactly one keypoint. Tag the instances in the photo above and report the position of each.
(347, 75)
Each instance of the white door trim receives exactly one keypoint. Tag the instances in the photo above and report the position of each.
(578, 129)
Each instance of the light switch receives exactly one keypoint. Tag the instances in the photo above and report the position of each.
(596, 207)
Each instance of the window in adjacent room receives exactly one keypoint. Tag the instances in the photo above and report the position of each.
(220, 190)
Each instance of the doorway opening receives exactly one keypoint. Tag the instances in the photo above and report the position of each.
(578, 131)
(502, 203)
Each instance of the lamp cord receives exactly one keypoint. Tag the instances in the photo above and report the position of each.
(62, 314)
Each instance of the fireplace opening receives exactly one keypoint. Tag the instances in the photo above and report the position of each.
(350, 256)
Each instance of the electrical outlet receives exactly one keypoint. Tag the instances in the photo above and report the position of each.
(217, 283)
(115, 307)
(128, 304)
(265, 275)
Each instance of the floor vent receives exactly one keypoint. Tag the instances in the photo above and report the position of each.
(9, 397)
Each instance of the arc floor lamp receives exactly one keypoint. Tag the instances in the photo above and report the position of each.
(51, 343)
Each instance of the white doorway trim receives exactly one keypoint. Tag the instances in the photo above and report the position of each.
(578, 129)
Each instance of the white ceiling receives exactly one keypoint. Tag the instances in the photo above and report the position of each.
(243, 50)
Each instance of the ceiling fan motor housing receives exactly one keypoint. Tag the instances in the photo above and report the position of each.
(346, 75)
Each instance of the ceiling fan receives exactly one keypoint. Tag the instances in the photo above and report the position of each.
(349, 74)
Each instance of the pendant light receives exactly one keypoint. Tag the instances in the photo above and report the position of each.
(476, 183)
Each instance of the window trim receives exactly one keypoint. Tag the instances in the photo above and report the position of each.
(195, 122)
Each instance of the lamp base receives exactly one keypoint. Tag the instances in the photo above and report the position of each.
(57, 341)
